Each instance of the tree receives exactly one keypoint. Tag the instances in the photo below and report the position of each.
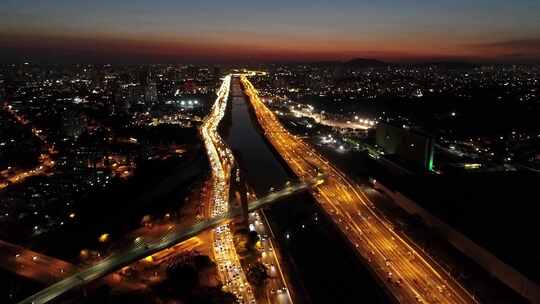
(184, 276)
(257, 275)
(202, 262)
(252, 239)
(214, 295)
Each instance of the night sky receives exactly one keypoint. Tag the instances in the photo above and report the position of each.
(273, 30)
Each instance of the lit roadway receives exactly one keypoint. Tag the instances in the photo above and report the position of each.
(141, 249)
(46, 164)
(359, 124)
(221, 161)
(276, 287)
(45, 161)
(409, 274)
(33, 265)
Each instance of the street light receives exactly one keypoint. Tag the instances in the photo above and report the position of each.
(103, 238)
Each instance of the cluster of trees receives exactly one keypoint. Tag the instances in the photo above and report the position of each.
(257, 274)
(183, 283)
(181, 286)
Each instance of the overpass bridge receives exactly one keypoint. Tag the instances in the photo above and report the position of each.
(141, 249)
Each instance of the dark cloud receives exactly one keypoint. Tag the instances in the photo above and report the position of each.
(97, 48)
(516, 45)
(516, 50)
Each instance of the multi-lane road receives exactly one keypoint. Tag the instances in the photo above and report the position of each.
(221, 161)
(409, 275)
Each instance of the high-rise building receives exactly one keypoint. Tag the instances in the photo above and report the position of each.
(150, 89)
(121, 102)
(150, 93)
(73, 123)
(2, 90)
(408, 145)
(135, 95)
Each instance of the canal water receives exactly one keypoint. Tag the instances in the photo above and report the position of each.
(325, 269)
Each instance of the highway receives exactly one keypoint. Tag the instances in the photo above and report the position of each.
(408, 274)
(221, 161)
(276, 286)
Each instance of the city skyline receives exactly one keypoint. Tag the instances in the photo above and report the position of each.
(240, 31)
(155, 173)
(270, 152)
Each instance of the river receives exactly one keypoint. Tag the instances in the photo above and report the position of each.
(325, 269)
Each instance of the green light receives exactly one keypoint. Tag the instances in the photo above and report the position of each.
(430, 163)
(430, 154)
